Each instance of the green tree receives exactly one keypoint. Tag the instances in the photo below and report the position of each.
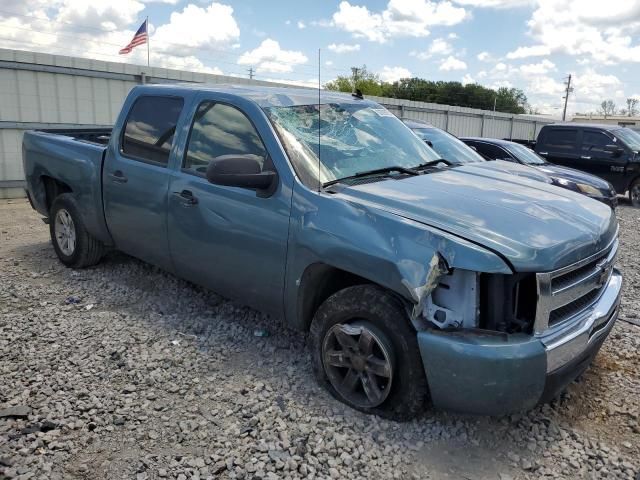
(472, 95)
(360, 79)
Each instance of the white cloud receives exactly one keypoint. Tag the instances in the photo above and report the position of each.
(408, 18)
(467, 79)
(500, 67)
(439, 46)
(544, 67)
(168, 2)
(59, 27)
(494, 3)
(269, 57)
(485, 57)
(196, 28)
(328, 63)
(393, 74)
(534, 51)
(301, 24)
(344, 47)
(603, 31)
(452, 63)
(102, 15)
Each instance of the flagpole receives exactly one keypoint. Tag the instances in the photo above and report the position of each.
(148, 39)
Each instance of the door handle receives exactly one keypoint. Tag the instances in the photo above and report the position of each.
(118, 177)
(584, 157)
(187, 197)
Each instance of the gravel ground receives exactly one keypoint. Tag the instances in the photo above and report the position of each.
(124, 371)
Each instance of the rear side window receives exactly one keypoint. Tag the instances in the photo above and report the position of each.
(220, 129)
(150, 128)
(595, 142)
(492, 152)
(561, 139)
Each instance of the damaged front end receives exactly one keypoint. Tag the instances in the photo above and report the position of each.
(480, 340)
(475, 339)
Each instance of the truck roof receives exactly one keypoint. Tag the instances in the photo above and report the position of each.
(603, 126)
(264, 96)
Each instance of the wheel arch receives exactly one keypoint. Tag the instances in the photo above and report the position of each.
(52, 189)
(318, 282)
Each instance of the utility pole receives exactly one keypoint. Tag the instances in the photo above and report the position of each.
(354, 76)
(566, 97)
(250, 73)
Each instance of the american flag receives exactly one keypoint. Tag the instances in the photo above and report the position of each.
(140, 38)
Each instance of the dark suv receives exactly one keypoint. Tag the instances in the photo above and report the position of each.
(608, 151)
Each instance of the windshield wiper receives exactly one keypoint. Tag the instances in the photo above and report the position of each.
(433, 163)
(377, 171)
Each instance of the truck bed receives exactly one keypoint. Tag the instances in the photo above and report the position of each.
(68, 160)
(98, 136)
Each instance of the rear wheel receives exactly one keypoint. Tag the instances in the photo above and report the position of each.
(73, 244)
(365, 352)
(634, 193)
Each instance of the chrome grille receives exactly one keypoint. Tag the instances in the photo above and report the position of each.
(566, 292)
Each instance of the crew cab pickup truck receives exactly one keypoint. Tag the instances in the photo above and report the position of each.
(416, 278)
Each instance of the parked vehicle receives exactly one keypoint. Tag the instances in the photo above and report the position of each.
(608, 151)
(489, 291)
(457, 152)
(564, 177)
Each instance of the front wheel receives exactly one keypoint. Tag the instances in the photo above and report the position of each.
(73, 244)
(365, 352)
(634, 193)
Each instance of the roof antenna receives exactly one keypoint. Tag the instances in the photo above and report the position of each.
(319, 182)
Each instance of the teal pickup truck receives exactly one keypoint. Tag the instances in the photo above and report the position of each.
(418, 280)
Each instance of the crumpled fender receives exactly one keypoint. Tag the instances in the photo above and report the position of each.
(403, 255)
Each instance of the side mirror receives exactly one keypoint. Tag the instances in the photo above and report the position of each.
(244, 171)
(614, 150)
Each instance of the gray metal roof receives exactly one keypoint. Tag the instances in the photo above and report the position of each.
(270, 96)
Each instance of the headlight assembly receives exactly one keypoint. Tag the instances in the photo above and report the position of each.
(588, 189)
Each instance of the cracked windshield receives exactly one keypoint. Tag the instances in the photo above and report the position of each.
(352, 138)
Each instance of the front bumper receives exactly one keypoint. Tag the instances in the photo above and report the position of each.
(490, 373)
(611, 201)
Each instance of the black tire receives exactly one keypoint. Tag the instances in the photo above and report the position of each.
(634, 193)
(86, 251)
(380, 312)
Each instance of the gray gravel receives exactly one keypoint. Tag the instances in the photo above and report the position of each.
(124, 371)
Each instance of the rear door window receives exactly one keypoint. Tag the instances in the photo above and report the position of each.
(595, 142)
(150, 129)
(492, 151)
(563, 139)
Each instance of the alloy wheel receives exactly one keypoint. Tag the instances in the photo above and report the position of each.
(65, 232)
(358, 361)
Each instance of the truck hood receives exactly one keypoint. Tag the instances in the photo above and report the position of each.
(535, 226)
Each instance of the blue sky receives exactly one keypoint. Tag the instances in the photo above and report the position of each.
(528, 44)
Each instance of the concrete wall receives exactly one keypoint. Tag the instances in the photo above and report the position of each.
(53, 91)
